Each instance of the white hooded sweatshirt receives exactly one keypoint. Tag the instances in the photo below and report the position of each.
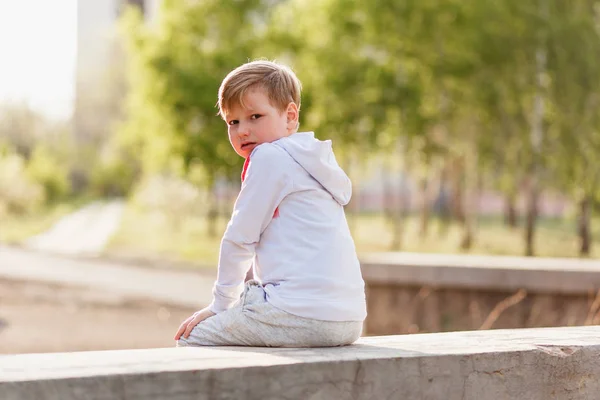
(288, 223)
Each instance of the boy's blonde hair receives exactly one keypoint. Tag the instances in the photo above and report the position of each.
(279, 81)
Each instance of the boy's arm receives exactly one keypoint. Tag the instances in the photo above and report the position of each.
(266, 184)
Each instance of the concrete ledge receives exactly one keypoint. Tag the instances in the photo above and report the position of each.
(553, 275)
(551, 363)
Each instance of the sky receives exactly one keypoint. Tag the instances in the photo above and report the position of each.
(38, 40)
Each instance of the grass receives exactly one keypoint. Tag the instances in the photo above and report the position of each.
(183, 238)
(154, 234)
(554, 237)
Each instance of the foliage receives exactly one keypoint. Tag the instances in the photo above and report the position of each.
(18, 193)
(46, 169)
(114, 173)
(37, 152)
(21, 127)
(497, 89)
(175, 73)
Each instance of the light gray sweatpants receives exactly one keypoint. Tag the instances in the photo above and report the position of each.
(255, 322)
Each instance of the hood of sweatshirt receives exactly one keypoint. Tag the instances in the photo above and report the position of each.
(317, 158)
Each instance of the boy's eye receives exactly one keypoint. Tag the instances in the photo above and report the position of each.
(255, 116)
(232, 122)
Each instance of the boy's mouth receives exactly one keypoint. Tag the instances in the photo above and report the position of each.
(246, 145)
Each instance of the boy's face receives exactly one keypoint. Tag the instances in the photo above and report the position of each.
(259, 122)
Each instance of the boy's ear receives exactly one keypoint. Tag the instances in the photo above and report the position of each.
(292, 115)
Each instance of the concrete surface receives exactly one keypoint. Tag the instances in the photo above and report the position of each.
(176, 287)
(532, 364)
(398, 309)
(553, 275)
(419, 293)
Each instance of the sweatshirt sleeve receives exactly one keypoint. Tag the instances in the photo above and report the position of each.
(267, 182)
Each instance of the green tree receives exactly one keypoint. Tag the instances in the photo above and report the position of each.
(176, 68)
(575, 98)
(46, 168)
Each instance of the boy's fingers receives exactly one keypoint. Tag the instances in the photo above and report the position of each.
(182, 327)
(179, 331)
(190, 326)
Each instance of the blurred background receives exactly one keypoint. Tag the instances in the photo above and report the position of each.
(467, 127)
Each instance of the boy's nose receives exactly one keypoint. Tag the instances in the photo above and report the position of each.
(243, 129)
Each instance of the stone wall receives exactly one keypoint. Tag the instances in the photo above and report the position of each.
(408, 293)
(532, 364)
(395, 309)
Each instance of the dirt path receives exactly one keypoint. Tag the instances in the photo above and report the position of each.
(84, 232)
(44, 317)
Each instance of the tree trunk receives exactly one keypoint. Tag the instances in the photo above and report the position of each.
(388, 196)
(397, 230)
(532, 212)
(212, 213)
(510, 211)
(474, 187)
(398, 215)
(403, 205)
(467, 239)
(458, 194)
(425, 207)
(444, 201)
(211, 219)
(585, 211)
(537, 133)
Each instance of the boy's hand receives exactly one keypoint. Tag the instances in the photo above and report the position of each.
(186, 326)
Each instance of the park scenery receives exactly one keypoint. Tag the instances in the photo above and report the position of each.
(470, 131)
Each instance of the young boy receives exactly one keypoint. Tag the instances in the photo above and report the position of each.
(288, 224)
